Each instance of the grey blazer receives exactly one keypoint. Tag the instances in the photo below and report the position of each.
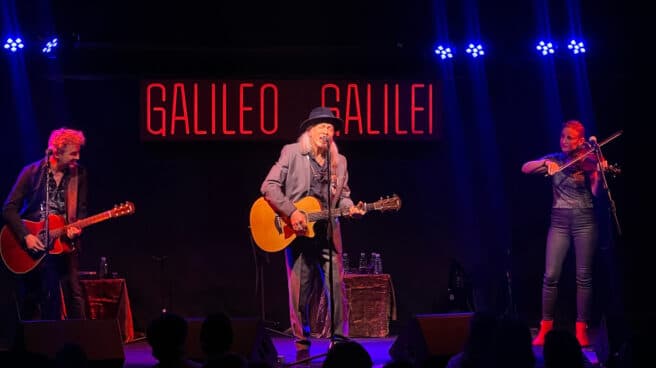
(289, 180)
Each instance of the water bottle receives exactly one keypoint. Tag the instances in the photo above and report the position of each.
(103, 270)
(362, 264)
(378, 266)
(346, 262)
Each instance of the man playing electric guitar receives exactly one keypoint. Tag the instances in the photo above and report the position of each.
(38, 291)
(303, 170)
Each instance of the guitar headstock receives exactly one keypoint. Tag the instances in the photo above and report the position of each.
(125, 208)
(392, 203)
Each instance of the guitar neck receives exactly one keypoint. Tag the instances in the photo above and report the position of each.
(83, 223)
(337, 212)
(91, 220)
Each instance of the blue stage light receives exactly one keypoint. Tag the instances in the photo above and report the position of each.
(49, 46)
(475, 50)
(14, 44)
(444, 52)
(577, 47)
(545, 48)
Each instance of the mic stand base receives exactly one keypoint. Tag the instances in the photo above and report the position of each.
(275, 330)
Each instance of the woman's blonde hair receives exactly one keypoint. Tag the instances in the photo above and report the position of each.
(576, 125)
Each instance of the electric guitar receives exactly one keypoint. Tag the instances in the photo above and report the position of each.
(19, 260)
(273, 232)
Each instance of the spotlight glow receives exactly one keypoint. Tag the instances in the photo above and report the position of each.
(475, 50)
(577, 47)
(50, 46)
(545, 48)
(444, 52)
(14, 44)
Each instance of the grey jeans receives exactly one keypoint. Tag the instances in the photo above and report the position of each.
(570, 225)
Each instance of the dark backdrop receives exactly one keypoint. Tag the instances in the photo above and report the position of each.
(192, 199)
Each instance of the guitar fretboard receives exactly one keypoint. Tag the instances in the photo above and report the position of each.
(83, 223)
(337, 212)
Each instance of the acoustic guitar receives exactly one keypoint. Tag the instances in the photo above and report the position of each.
(19, 260)
(273, 233)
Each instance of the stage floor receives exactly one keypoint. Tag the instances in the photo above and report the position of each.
(137, 354)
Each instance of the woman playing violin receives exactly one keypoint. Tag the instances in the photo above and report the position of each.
(572, 220)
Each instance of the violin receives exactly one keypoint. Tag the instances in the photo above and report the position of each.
(586, 157)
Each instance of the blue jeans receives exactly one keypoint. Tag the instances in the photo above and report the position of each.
(39, 291)
(578, 225)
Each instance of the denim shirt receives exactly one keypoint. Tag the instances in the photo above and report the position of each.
(572, 187)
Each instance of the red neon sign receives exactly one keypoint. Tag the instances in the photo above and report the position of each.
(245, 110)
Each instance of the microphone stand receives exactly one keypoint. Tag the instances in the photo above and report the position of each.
(46, 210)
(613, 209)
(611, 332)
(511, 309)
(166, 302)
(329, 238)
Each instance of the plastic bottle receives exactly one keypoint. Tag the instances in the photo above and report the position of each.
(362, 264)
(346, 262)
(103, 269)
(378, 264)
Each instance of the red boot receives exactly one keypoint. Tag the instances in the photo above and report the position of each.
(545, 326)
(582, 333)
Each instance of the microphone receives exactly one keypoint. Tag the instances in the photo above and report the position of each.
(326, 139)
(593, 140)
(49, 152)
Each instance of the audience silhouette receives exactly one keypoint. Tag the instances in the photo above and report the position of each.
(479, 343)
(562, 350)
(216, 337)
(347, 354)
(167, 335)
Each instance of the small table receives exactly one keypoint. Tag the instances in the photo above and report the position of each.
(371, 305)
(108, 299)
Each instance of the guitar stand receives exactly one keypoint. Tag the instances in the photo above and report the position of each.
(259, 257)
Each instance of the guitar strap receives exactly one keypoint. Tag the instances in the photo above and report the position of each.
(71, 194)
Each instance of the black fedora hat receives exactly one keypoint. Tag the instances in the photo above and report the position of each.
(321, 115)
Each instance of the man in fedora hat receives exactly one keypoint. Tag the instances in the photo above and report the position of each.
(301, 171)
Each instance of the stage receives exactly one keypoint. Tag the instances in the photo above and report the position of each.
(137, 354)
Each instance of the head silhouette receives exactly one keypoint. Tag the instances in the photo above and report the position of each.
(348, 354)
(167, 335)
(216, 334)
(562, 349)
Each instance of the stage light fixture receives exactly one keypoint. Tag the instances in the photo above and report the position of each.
(50, 46)
(444, 52)
(577, 47)
(14, 44)
(475, 50)
(546, 48)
